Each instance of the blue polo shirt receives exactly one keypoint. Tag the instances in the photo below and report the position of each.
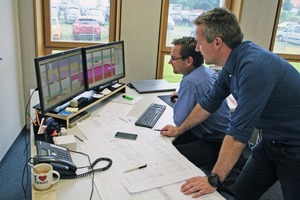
(267, 90)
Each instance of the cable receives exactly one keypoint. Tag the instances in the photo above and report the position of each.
(27, 143)
(91, 171)
(23, 174)
(26, 150)
(92, 191)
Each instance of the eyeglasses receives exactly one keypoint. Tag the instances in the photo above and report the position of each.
(173, 59)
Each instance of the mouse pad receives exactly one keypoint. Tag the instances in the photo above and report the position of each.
(166, 99)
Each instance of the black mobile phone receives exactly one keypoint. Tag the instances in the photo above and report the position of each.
(128, 136)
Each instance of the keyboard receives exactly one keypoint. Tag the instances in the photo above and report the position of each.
(151, 115)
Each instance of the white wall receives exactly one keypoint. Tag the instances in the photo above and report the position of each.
(140, 21)
(11, 81)
(257, 21)
(140, 30)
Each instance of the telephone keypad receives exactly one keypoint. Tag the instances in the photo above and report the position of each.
(63, 155)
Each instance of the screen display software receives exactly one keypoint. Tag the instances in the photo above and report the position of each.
(60, 77)
(104, 64)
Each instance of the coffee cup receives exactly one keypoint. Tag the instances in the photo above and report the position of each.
(42, 176)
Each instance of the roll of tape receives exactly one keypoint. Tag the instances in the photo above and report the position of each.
(74, 103)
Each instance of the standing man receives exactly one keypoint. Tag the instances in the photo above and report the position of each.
(196, 82)
(267, 90)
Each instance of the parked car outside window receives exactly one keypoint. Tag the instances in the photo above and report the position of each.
(284, 25)
(72, 13)
(171, 23)
(97, 14)
(86, 28)
(290, 34)
(56, 28)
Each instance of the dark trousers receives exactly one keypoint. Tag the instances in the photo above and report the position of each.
(201, 152)
(269, 162)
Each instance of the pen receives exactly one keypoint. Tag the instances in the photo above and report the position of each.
(127, 97)
(31, 118)
(123, 120)
(135, 168)
(78, 138)
(37, 117)
(40, 128)
(158, 129)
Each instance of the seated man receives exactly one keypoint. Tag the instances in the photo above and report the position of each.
(202, 143)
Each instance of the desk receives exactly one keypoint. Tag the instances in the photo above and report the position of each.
(81, 188)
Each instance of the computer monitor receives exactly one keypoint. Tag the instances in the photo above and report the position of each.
(104, 65)
(60, 77)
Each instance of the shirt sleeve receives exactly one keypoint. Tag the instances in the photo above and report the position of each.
(212, 101)
(184, 105)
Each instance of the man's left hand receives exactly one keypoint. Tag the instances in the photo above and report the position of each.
(197, 185)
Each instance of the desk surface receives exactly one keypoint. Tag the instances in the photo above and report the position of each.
(81, 188)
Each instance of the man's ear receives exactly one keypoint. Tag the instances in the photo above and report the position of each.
(218, 41)
(190, 60)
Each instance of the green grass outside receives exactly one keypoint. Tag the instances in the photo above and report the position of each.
(176, 78)
(169, 74)
(296, 65)
(179, 31)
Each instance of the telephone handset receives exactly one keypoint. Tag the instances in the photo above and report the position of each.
(59, 157)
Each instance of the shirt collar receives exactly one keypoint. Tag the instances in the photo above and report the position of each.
(192, 71)
(231, 61)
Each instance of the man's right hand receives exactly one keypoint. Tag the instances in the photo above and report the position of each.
(170, 131)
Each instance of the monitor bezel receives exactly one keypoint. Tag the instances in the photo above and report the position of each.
(56, 56)
(105, 83)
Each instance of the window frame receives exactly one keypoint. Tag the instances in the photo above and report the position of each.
(43, 43)
(163, 50)
(288, 57)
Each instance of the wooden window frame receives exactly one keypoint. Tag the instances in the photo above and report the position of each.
(163, 50)
(288, 57)
(43, 43)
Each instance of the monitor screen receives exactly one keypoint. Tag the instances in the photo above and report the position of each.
(60, 77)
(104, 64)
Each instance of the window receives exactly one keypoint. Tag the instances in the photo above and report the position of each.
(65, 24)
(177, 21)
(286, 37)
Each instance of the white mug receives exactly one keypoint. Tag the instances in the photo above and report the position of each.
(42, 176)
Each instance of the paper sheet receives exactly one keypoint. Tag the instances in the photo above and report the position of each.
(166, 168)
(161, 157)
(110, 188)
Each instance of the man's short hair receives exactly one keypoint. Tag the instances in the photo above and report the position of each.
(188, 46)
(220, 22)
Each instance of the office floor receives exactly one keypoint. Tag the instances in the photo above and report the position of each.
(11, 170)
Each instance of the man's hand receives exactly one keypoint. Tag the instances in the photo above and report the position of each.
(170, 131)
(197, 185)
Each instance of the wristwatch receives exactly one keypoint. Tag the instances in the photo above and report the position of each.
(214, 180)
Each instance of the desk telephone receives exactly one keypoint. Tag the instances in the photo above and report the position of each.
(60, 158)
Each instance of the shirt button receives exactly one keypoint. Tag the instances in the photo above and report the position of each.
(229, 75)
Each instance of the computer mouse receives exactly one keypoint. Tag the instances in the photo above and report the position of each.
(129, 85)
(174, 98)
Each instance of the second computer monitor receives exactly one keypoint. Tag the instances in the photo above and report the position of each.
(104, 64)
